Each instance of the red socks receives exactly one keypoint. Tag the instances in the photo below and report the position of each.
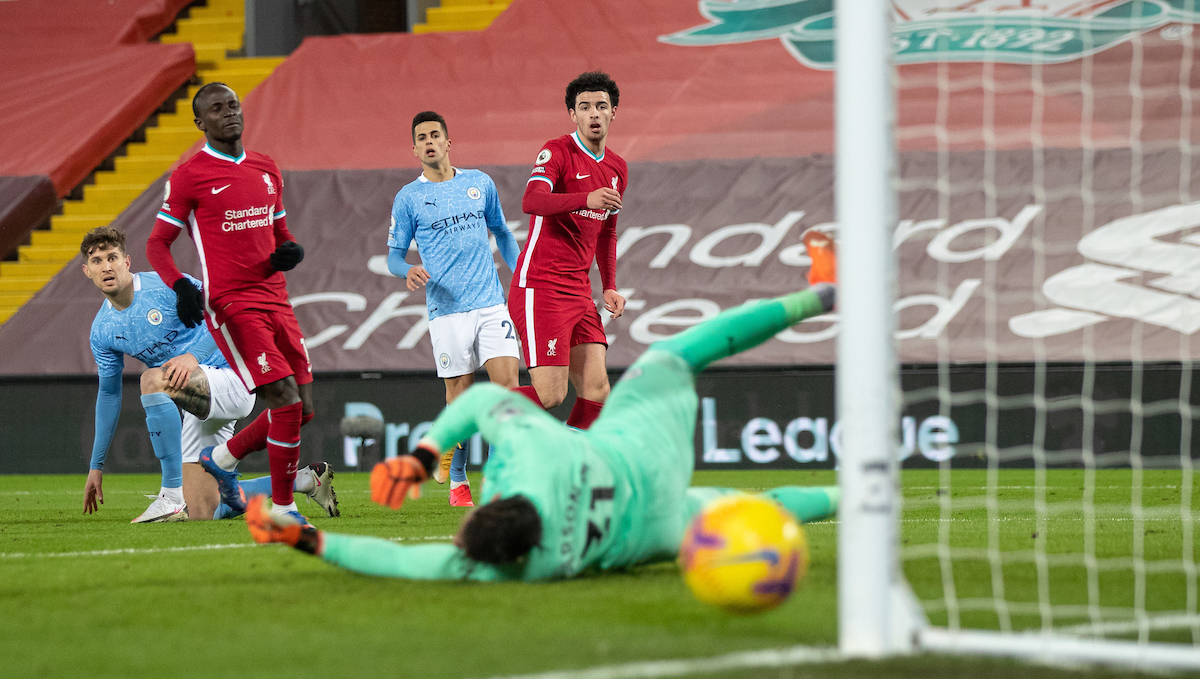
(531, 393)
(253, 436)
(584, 413)
(283, 449)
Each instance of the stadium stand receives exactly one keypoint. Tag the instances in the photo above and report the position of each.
(214, 30)
(461, 15)
(730, 163)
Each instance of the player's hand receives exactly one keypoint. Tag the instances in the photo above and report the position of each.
(417, 277)
(287, 256)
(604, 199)
(178, 370)
(189, 303)
(93, 491)
(614, 303)
(394, 480)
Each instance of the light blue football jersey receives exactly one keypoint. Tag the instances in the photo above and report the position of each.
(450, 221)
(148, 330)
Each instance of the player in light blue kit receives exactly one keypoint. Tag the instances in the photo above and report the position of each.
(186, 371)
(449, 212)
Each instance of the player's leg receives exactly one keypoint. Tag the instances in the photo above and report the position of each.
(165, 428)
(218, 399)
(544, 321)
(589, 345)
(287, 417)
(745, 327)
(806, 503)
(266, 351)
(590, 379)
(452, 337)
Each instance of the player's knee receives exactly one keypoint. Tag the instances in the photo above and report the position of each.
(307, 413)
(153, 381)
(552, 396)
(501, 532)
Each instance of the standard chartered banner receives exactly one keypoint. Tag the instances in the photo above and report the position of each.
(983, 275)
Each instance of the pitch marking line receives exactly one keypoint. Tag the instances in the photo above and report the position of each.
(783, 657)
(190, 548)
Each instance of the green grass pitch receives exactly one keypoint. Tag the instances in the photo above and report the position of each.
(93, 596)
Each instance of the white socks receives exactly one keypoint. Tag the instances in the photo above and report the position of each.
(224, 460)
(173, 494)
(281, 509)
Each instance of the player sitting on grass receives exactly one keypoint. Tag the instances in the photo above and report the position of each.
(558, 501)
(185, 370)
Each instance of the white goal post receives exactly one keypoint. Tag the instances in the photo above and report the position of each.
(878, 613)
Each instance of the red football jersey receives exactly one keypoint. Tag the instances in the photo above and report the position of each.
(561, 247)
(233, 209)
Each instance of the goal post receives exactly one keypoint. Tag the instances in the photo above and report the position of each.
(868, 564)
(1028, 171)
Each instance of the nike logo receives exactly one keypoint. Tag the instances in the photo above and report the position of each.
(216, 190)
(581, 176)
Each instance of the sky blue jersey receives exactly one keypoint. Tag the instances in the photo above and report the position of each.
(149, 330)
(450, 221)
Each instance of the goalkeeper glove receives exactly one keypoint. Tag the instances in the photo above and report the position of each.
(394, 480)
(266, 527)
(287, 256)
(189, 303)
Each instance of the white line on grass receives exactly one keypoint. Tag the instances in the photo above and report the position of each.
(168, 550)
(782, 657)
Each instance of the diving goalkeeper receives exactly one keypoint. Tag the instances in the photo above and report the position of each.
(559, 501)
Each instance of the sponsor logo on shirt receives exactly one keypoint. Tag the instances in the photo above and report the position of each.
(262, 362)
(539, 170)
(543, 157)
(455, 220)
(599, 215)
(154, 317)
(473, 193)
(148, 354)
(263, 215)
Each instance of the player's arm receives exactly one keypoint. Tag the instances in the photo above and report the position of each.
(288, 253)
(108, 412)
(551, 171)
(177, 206)
(370, 555)
(494, 215)
(373, 556)
(484, 408)
(606, 261)
(400, 235)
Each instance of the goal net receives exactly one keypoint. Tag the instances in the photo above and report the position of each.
(1044, 199)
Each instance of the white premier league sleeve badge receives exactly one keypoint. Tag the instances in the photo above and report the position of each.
(924, 31)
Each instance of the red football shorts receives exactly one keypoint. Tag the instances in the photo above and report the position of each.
(550, 322)
(264, 346)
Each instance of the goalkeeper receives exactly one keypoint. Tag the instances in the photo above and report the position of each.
(559, 501)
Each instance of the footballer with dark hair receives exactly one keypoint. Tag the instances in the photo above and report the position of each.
(572, 197)
(558, 501)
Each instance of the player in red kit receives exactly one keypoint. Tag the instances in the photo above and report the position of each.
(573, 197)
(231, 202)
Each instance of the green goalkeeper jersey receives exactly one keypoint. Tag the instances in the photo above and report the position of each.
(613, 496)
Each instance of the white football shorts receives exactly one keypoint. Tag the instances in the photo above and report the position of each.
(463, 342)
(229, 402)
